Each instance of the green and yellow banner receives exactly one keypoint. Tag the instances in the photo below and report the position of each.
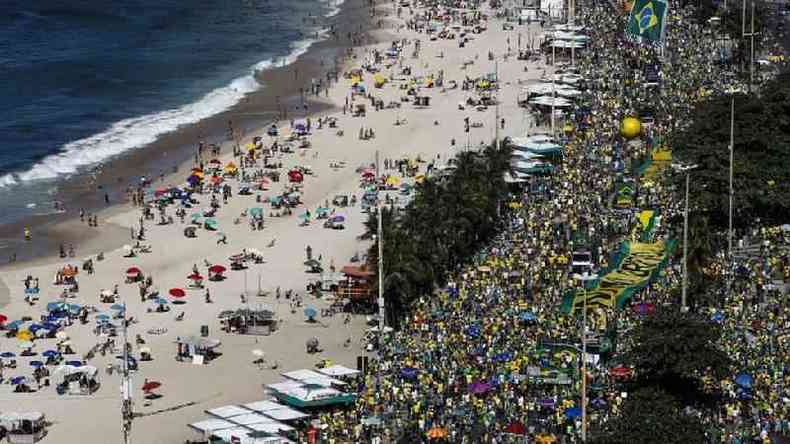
(635, 266)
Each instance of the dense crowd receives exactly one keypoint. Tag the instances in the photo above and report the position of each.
(494, 351)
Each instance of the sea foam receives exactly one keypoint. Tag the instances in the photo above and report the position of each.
(139, 131)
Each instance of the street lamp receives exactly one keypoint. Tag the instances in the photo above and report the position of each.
(687, 170)
(584, 278)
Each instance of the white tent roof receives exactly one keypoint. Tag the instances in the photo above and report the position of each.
(264, 406)
(250, 418)
(311, 377)
(273, 427)
(338, 371)
(286, 414)
(227, 411)
(242, 434)
(209, 426)
(302, 392)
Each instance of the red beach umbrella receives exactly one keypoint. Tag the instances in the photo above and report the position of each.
(133, 271)
(177, 293)
(620, 371)
(516, 428)
(3, 319)
(214, 161)
(217, 269)
(151, 386)
(195, 277)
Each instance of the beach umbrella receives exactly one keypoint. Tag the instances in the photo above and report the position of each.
(620, 371)
(256, 211)
(195, 217)
(33, 328)
(24, 335)
(408, 372)
(310, 313)
(36, 364)
(744, 380)
(3, 319)
(150, 386)
(572, 413)
(304, 216)
(56, 306)
(436, 433)
(338, 219)
(14, 325)
(7, 355)
(527, 316)
(643, 308)
(74, 363)
(117, 307)
(160, 301)
(217, 269)
(478, 387)
(133, 272)
(195, 277)
(516, 428)
(177, 293)
(210, 224)
(25, 344)
(102, 317)
(74, 308)
(244, 185)
(18, 380)
(49, 353)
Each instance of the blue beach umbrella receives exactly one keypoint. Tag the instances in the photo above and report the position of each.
(408, 372)
(33, 328)
(527, 316)
(31, 290)
(49, 353)
(161, 301)
(17, 380)
(74, 363)
(310, 313)
(210, 224)
(117, 307)
(74, 308)
(7, 355)
(56, 306)
(102, 317)
(744, 380)
(338, 219)
(36, 364)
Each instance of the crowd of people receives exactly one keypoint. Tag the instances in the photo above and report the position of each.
(494, 352)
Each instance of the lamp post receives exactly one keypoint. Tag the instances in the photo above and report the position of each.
(584, 278)
(687, 170)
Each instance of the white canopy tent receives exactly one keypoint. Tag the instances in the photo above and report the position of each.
(338, 371)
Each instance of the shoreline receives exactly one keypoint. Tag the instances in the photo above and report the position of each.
(172, 153)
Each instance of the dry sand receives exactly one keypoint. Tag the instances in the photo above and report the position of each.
(232, 378)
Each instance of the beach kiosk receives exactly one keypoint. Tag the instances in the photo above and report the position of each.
(308, 395)
(196, 349)
(23, 428)
(76, 380)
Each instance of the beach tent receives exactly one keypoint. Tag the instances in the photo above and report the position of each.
(298, 394)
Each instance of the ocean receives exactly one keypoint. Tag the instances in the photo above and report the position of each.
(85, 81)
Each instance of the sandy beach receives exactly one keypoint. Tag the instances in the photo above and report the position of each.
(232, 378)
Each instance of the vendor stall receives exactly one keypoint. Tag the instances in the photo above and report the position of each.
(23, 428)
(195, 349)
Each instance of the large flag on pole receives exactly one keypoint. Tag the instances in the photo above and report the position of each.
(647, 21)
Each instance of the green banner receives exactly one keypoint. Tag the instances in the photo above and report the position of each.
(647, 21)
(636, 265)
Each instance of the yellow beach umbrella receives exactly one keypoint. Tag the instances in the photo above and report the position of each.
(393, 181)
(24, 335)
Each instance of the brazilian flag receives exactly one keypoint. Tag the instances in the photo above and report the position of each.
(647, 21)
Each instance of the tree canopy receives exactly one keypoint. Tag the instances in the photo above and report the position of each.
(449, 219)
(762, 146)
(651, 416)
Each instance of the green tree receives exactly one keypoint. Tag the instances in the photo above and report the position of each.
(651, 416)
(673, 350)
(761, 149)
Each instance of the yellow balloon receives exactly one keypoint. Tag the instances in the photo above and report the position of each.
(631, 127)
